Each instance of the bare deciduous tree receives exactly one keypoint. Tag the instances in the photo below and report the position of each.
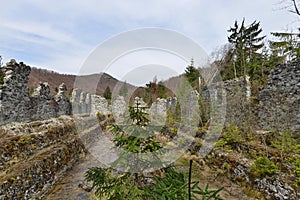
(296, 9)
(290, 5)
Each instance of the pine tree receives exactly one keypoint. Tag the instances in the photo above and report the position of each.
(107, 93)
(192, 74)
(286, 47)
(246, 45)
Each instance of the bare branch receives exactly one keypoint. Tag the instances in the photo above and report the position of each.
(296, 10)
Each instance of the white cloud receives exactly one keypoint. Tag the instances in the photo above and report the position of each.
(60, 34)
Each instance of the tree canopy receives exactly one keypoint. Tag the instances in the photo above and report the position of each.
(246, 43)
(192, 74)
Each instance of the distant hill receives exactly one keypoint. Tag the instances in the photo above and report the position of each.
(54, 79)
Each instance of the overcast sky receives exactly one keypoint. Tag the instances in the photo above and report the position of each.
(59, 35)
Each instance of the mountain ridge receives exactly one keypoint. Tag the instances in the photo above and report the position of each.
(54, 79)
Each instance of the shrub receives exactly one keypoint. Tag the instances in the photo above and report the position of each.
(113, 186)
(263, 166)
(285, 143)
(173, 185)
(232, 137)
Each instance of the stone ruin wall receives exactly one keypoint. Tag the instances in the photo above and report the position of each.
(279, 101)
(90, 104)
(16, 105)
(278, 106)
(235, 95)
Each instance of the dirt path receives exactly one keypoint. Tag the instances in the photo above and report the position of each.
(68, 188)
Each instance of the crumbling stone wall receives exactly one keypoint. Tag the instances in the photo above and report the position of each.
(99, 104)
(14, 97)
(279, 101)
(43, 103)
(234, 97)
(17, 105)
(238, 105)
(34, 155)
(119, 108)
(63, 103)
(158, 111)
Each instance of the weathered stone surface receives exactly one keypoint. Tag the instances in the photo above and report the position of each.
(14, 97)
(42, 151)
(17, 105)
(99, 104)
(238, 110)
(64, 105)
(44, 106)
(119, 108)
(88, 102)
(158, 111)
(76, 109)
(280, 99)
(273, 188)
(171, 103)
(234, 96)
(82, 102)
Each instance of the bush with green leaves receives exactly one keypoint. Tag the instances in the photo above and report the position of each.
(232, 136)
(173, 185)
(285, 143)
(169, 184)
(110, 185)
(263, 166)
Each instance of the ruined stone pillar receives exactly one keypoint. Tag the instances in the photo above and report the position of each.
(82, 103)
(64, 105)
(119, 107)
(88, 102)
(158, 111)
(75, 101)
(14, 96)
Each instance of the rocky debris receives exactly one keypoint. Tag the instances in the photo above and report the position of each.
(30, 178)
(86, 186)
(280, 99)
(273, 188)
(241, 173)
